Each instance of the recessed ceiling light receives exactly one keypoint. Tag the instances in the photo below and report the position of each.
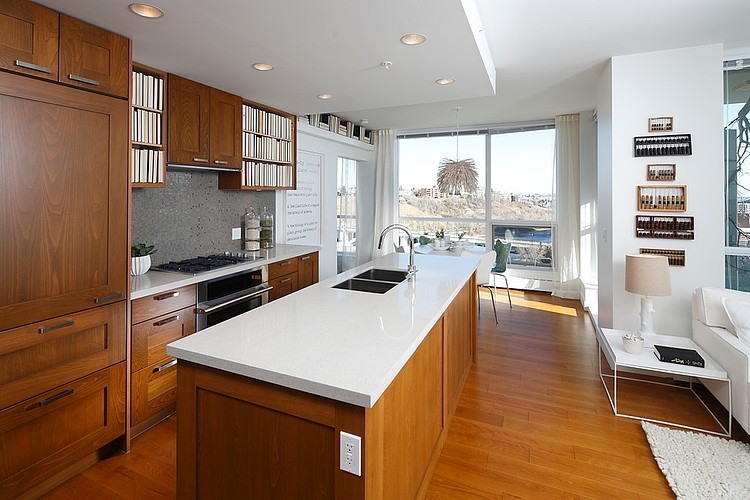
(145, 10)
(262, 67)
(413, 39)
(445, 81)
(324, 96)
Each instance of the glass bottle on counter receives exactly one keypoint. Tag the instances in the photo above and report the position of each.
(266, 229)
(252, 230)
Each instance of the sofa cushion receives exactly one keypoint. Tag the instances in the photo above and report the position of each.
(738, 312)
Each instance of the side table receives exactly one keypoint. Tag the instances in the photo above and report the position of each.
(611, 348)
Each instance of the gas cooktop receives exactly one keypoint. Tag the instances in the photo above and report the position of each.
(208, 263)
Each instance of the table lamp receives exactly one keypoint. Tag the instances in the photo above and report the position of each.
(647, 275)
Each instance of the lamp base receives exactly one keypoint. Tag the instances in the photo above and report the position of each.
(647, 316)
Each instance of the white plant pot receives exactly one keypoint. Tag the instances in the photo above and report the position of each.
(140, 265)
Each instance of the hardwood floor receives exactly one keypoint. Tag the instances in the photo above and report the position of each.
(533, 421)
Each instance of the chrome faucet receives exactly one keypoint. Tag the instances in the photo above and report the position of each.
(412, 269)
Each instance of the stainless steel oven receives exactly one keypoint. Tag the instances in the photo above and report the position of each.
(227, 296)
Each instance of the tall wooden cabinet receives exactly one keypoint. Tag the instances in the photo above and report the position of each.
(64, 251)
(204, 125)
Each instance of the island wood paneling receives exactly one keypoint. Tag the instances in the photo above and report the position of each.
(458, 344)
(239, 435)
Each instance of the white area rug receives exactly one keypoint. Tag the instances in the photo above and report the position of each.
(701, 466)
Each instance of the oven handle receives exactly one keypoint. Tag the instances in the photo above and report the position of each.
(208, 307)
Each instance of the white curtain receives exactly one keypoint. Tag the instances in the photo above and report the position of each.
(566, 267)
(386, 185)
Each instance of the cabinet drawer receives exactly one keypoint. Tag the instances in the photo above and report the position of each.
(282, 268)
(163, 303)
(42, 435)
(150, 338)
(154, 389)
(38, 357)
(283, 285)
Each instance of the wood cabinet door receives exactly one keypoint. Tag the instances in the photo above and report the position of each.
(307, 270)
(29, 35)
(41, 436)
(63, 200)
(226, 129)
(150, 338)
(283, 285)
(93, 58)
(154, 391)
(188, 119)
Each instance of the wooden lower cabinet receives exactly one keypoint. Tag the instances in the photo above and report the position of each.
(158, 320)
(239, 437)
(289, 275)
(43, 435)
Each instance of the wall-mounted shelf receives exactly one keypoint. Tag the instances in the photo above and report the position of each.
(665, 227)
(338, 126)
(675, 257)
(147, 166)
(661, 172)
(662, 198)
(663, 145)
(269, 151)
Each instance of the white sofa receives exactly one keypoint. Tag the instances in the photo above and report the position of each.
(714, 332)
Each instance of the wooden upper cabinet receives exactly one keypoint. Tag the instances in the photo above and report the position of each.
(189, 104)
(28, 38)
(93, 58)
(204, 125)
(307, 270)
(226, 129)
(63, 199)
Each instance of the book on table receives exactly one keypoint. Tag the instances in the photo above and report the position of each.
(679, 355)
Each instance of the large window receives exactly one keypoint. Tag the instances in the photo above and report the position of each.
(737, 177)
(518, 206)
(346, 215)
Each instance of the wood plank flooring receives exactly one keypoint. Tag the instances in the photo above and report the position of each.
(533, 422)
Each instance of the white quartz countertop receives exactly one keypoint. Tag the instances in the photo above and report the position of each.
(154, 282)
(340, 344)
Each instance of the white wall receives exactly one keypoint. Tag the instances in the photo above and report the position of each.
(685, 84)
(588, 217)
(332, 146)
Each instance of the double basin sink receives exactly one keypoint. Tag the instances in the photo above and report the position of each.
(373, 280)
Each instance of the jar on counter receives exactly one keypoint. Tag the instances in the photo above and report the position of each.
(252, 230)
(266, 229)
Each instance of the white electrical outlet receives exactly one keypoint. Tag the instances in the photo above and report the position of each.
(350, 453)
(236, 233)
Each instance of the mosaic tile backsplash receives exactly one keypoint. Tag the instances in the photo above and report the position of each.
(192, 216)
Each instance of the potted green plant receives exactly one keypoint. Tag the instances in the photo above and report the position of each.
(140, 258)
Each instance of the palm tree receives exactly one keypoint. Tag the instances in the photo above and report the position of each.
(457, 175)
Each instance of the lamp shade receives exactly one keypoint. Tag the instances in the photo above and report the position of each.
(647, 275)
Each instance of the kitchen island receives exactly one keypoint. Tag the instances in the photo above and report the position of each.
(263, 397)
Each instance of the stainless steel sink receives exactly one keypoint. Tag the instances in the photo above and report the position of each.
(365, 285)
(373, 281)
(389, 275)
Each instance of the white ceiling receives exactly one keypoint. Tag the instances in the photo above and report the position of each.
(547, 54)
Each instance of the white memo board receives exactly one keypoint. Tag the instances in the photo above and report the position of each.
(302, 209)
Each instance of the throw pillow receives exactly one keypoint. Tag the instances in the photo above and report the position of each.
(739, 314)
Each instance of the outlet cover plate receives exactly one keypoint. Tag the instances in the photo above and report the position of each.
(350, 453)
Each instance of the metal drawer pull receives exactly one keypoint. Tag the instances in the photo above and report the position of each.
(51, 399)
(221, 162)
(285, 263)
(285, 280)
(46, 329)
(107, 298)
(81, 79)
(164, 367)
(167, 320)
(35, 67)
(305, 257)
(169, 295)
(203, 160)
